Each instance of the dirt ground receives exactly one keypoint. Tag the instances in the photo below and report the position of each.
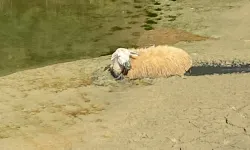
(50, 108)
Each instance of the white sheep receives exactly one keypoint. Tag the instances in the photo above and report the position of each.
(151, 62)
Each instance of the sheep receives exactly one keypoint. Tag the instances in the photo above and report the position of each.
(155, 61)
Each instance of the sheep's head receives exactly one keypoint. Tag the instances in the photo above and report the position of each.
(121, 61)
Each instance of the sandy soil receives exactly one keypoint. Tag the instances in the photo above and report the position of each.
(52, 108)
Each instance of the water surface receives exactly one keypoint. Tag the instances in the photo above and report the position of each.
(41, 32)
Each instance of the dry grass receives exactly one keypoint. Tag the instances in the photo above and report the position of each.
(159, 61)
(65, 83)
(57, 83)
(77, 111)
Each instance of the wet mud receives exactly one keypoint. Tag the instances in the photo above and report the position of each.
(219, 70)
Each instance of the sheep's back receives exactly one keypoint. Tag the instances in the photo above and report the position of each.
(160, 61)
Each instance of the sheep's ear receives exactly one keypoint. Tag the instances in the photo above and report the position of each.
(132, 52)
(133, 56)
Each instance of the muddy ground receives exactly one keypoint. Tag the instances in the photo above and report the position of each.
(55, 108)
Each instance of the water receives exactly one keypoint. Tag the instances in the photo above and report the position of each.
(41, 32)
(211, 70)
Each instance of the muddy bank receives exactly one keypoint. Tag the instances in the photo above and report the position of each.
(41, 106)
(220, 20)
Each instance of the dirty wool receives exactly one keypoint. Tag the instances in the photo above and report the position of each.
(159, 61)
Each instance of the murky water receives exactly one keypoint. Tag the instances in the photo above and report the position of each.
(212, 70)
(41, 32)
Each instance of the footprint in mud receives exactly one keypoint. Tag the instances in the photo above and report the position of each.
(158, 9)
(158, 18)
(149, 21)
(147, 27)
(116, 28)
(132, 22)
(149, 24)
(151, 14)
(138, 1)
(171, 17)
(127, 27)
(157, 3)
(125, 3)
(136, 33)
(137, 6)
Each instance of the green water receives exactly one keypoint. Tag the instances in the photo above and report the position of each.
(40, 32)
